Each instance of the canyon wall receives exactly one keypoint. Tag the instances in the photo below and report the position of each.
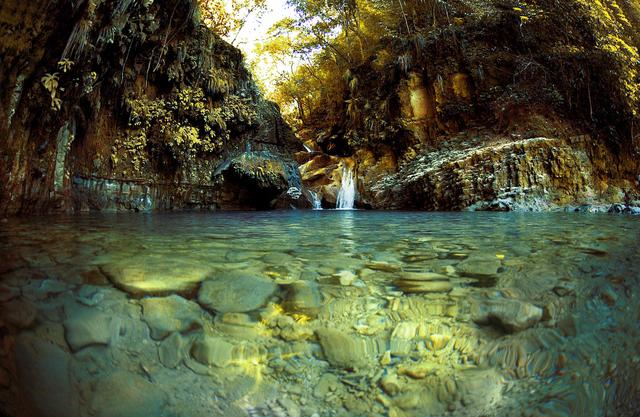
(491, 105)
(109, 104)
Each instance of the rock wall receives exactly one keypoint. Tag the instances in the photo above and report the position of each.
(104, 95)
(479, 106)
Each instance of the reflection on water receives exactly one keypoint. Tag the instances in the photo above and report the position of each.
(320, 313)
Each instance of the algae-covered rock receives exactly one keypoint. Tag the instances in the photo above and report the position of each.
(511, 315)
(44, 375)
(165, 315)
(235, 292)
(347, 351)
(154, 278)
(125, 394)
(211, 350)
(87, 327)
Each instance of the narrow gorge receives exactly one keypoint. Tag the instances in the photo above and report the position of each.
(319, 208)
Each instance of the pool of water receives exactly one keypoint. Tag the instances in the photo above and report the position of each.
(320, 313)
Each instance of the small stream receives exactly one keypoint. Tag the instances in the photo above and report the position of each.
(319, 314)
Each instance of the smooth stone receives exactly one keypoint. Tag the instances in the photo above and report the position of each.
(302, 297)
(44, 372)
(411, 287)
(212, 350)
(278, 258)
(391, 384)
(328, 382)
(383, 266)
(170, 350)
(346, 277)
(341, 349)
(87, 327)
(165, 315)
(511, 315)
(479, 267)
(422, 276)
(160, 278)
(125, 394)
(235, 292)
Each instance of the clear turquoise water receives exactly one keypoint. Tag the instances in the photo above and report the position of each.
(577, 357)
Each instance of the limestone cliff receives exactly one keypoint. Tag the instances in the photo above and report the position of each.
(126, 105)
(493, 104)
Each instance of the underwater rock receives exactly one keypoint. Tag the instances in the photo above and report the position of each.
(479, 267)
(511, 315)
(346, 278)
(44, 376)
(302, 297)
(170, 350)
(416, 283)
(235, 292)
(165, 315)
(211, 350)
(154, 279)
(87, 327)
(383, 266)
(391, 384)
(347, 351)
(125, 394)
(437, 341)
(19, 312)
(410, 287)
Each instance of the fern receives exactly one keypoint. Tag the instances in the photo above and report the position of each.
(50, 82)
(65, 64)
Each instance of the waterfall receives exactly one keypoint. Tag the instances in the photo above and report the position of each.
(347, 193)
(316, 201)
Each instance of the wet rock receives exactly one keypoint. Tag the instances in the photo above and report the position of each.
(391, 384)
(19, 312)
(327, 383)
(235, 292)
(260, 180)
(346, 351)
(170, 350)
(510, 315)
(44, 377)
(87, 327)
(479, 267)
(346, 277)
(302, 297)
(8, 293)
(125, 394)
(165, 315)
(212, 350)
(411, 286)
(383, 266)
(157, 278)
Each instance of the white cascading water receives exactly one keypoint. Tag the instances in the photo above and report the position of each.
(316, 201)
(347, 193)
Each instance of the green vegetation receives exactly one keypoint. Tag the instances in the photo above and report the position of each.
(475, 61)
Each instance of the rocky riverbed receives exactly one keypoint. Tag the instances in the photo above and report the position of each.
(380, 315)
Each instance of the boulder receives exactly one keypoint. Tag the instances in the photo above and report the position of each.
(510, 315)
(165, 315)
(235, 292)
(44, 377)
(87, 327)
(125, 394)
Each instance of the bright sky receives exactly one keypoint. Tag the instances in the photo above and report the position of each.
(255, 31)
